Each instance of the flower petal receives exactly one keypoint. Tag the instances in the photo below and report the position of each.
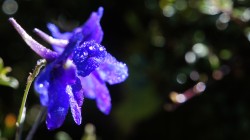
(56, 33)
(58, 105)
(88, 56)
(103, 99)
(113, 71)
(74, 42)
(47, 75)
(88, 85)
(75, 108)
(50, 39)
(92, 29)
(96, 89)
(42, 84)
(51, 85)
(78, 92)
(33, 44)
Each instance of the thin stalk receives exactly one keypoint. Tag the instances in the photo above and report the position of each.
(38, 120)
(21, 116)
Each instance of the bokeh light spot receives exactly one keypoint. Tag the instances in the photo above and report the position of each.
(190, 57)
(180, 5)
(168, 11)
(180, 98)
(220, 25)
(199, 87)
(181, 78)
(246, 15)
(208, 7)
(200, 49)
(177, 98)
(173, 95)
(89, 128)
(10, 7)
(194, 75)
(214, 61)
(224, 18)
(225, 54)
(61, 135)
(217, 75)
(158, 41)
(10, 120)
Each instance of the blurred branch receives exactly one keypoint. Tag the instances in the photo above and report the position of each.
(21, 116)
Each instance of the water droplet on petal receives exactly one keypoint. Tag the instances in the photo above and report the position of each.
(41, 85)
(91, 48)
(101, 48)
(85, 53)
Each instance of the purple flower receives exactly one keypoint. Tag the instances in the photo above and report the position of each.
(78, 67)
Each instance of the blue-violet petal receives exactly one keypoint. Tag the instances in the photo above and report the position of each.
(75, 108)
(92, 29)
(113, 71)
(94, 88)
(78, 92)
(88, 56)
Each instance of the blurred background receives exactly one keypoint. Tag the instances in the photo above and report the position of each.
(188, 66)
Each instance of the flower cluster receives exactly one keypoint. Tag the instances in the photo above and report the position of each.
(78, 67)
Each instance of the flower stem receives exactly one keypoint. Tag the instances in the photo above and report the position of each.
(21, 116)
(38, 120)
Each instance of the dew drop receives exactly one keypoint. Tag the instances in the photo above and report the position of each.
(91, 48)
(123, 76)
(41, 85)
(82, 56)
(101, 48)
(85, 53)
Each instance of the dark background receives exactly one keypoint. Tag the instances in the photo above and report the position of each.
(154, 47)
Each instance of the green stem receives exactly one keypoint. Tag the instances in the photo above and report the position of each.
(38, 120)
(40, 64)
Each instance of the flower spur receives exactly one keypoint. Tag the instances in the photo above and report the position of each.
(77, 68)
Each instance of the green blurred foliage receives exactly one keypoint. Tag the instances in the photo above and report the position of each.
(4, 80)
(169, 46)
